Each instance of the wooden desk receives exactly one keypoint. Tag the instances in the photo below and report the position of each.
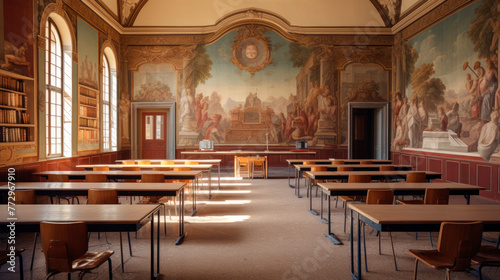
(417, 218)
(400, 188)
(246, 153)
(99, 218)
(119, 175)
(149, 167)
(181, 161)
(123, 189)
(292, 162)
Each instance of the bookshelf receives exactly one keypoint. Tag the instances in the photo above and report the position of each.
(17, 107)
(88, 120)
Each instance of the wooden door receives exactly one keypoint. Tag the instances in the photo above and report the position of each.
(154, 138)
(363, 134)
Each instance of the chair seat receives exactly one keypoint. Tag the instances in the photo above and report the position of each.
(91, 260)
(487, 256)
(433, 258)
(352, 198)
(410, 201)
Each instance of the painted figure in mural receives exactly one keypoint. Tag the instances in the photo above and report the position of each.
(124, 115)
(187, 110)
(251, 51)
(489, 137)
(328, 110)
(496, 31)
(454, 123)
(484, 91)
(443, 117)
(402, 117)
(204, 112)
(252, 100)
(413, 119)
(199, 107)
(491, 82)
(19, 59)
(398, 103)
(475, 102)
(214, 129)
(399, 140)
(311, 108)
(424, 118)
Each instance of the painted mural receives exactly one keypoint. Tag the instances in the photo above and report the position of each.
(16, 37)
(361, 83)
(253, 86)
(88, 53)
(452, 99)
(154, 82)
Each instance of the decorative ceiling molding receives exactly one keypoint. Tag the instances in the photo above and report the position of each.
(383, 14)
(102, 13)
(414, 15)
(129, 9)
(107, 9)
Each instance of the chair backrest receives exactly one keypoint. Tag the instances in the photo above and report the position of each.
(337, 162)
(128, 162)
(96, 178)
(386, 168)
(102, 197)
(152, 178)
(100, 168)
(460, 241)
(167, 162)
(25, 197)
(182, 168)
(58, 178)
(144, 162)
(62, 243)
(380, 197)
(318, 168)
(162, 168)
(359, 178)
(415, 177)
(191, 162)
(308, 162)
(259, 161)
(344, 168)
(436, 196)
(366, 162)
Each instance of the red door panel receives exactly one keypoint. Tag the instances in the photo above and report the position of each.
(154, 138)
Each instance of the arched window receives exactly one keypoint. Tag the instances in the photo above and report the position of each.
(54, 92)
(109, 103)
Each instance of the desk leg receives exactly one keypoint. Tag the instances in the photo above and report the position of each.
(158, 245)
(153, 275)
(311, 202)
(330, 234)
(298, 184)
(320, 218)
(218, 167)
(180, 239)
(289, 167)
(193, 195)
(467, 197)
(353, 274)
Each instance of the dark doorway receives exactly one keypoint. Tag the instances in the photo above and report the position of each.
(362, 133)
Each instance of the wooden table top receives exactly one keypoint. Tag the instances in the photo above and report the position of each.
(241, 152)
(215, 160)
(84, 186)
(346, 161)
(428, 214)
(375, 174)
(362, 188)
(375, 167)
(118, 173)
(120, 166)
(113, 217)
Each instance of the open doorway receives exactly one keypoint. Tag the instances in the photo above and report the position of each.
(368, 124)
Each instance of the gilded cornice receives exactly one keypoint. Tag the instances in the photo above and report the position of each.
(349, 40)
(163, 40)
(175, 55)
(344, 55)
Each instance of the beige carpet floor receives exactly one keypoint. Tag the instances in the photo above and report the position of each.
(256, 229)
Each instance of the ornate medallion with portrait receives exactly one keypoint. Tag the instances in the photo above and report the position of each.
(251, 49)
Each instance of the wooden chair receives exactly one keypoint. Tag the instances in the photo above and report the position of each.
(458, 243)
(98, 196)
(191, 162)
(416, 177)
(62, 178)
(347, 199)
(242, 165)
(487, 256)
(167, 162)
(144, 162)
(28, 197)
(386, 168)
(96, 178)
(258, 166)
(4, 258)
(130, 162)
(337, 162)
(100, 168)
(432, 196)
(366, 162)
(380, 197)
(66, 249)
(156, 178)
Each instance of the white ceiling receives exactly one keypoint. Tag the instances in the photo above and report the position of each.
(191, 16)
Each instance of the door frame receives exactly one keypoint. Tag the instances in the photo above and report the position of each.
(169, 107)
(381, 130)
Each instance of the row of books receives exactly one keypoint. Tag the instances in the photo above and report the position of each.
(88, 112)
(11, 83)
(88, 123)
(14, 134)
(13, 99)
(88, 92)
(87, 134)
(14, 116)
(88, 101)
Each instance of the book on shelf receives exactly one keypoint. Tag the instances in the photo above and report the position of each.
(14, 134)
(87, 134)
(14, 116)
(11, 83)
(13, 99)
